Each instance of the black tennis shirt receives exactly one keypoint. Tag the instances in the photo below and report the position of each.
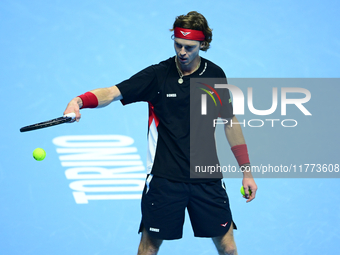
(170, 106)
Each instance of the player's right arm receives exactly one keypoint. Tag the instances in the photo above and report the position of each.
(105, 96)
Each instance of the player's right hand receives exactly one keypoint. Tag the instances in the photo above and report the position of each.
(74, 106)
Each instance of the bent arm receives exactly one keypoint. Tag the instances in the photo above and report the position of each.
(105, 96)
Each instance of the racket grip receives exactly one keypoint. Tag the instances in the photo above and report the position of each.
(71, 115)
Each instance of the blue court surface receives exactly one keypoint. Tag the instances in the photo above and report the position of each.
(84, 198)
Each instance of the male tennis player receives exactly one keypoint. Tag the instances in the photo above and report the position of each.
(169, 190)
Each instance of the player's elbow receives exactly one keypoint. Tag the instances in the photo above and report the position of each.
(114, 93)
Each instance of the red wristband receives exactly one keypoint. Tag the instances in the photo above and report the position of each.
(89, 100)
(241, 154)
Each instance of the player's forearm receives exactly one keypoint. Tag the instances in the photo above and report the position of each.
(93, 99)
(98, 97)
(238, 146)
(234, 133)
(105, 96)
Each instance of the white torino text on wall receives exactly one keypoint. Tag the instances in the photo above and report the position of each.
(102, 167)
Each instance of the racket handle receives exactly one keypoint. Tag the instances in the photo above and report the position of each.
(71, 115)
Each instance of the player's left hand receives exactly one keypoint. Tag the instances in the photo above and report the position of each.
(248, 182)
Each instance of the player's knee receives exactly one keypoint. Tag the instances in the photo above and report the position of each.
(148, 245)
(230, 249)
(147, 249)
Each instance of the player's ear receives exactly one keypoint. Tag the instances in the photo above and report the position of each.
(202, 45)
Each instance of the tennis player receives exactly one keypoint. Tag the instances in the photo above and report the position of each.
(169, 189)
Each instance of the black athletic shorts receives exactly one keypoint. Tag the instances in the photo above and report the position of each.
(164, 203)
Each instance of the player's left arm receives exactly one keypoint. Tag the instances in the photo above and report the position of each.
(238, 144)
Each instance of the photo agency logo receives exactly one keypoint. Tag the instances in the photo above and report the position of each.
(282, 105)
(294, 98)
(211, 92)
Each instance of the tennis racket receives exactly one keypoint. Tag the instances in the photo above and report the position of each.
(70, 117)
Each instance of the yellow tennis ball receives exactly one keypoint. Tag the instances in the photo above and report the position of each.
(243, 193)
(39, 154)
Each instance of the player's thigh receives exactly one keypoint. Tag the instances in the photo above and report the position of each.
(163, 208)
(209, 209)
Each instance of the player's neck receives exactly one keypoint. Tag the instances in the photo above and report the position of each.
(191, 68)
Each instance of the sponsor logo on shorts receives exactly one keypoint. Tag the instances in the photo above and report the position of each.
(224, 225)
(171, 95)
(154, 229)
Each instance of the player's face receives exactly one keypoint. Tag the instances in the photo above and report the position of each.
(187, 51)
